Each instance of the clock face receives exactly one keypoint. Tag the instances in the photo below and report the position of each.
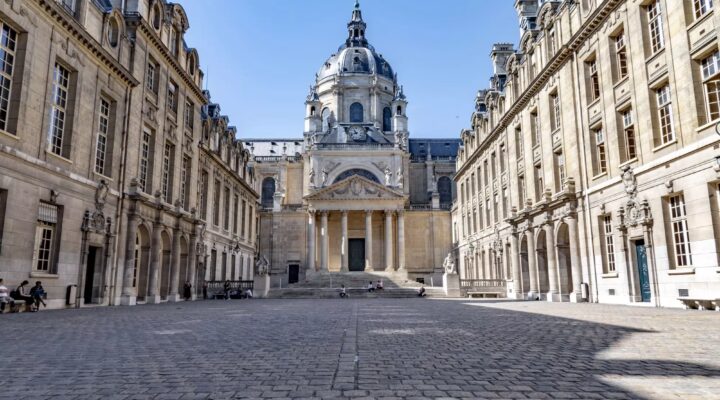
(357, 134)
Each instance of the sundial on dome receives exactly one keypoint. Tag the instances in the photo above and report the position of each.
(357, 134)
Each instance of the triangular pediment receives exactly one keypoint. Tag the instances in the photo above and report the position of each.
(355, 188)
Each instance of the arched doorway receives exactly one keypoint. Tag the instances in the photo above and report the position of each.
(142, 261)
(524, 266)
(268, 192)
(564, 263)
(165, 261)
(542, 265)
(184, 265)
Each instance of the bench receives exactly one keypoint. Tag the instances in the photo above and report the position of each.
(486, 294)
(700, 303)
(17, 306)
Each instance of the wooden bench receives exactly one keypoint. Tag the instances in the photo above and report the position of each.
(700, 303)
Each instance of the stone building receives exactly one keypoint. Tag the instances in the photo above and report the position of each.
(592, 161)
(354, 193)
(100, 130)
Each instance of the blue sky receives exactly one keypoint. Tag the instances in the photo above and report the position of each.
(260, 56)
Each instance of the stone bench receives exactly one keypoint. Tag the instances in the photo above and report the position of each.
(486, 293)
(700, 303)
(18, 306)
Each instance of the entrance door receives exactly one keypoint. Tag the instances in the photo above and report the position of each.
(642, 266)
(293, 273)
(90, 275)
(356, 254)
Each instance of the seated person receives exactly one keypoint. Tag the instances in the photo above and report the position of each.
(5, 297)
(248, 293)
(370, 287)
(37, 292)
(421, 292)
(379, 285)
(343, 292)
(21, 293)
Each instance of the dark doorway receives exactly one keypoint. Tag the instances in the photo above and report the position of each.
(356, 254)
(293, 273)
(90, 274)
(642, 268)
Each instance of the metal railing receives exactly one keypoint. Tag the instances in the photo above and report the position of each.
(353, 146)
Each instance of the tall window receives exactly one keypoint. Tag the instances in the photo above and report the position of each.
(216, 203)
(172, 97)
(630, 150)
(235, 209)
(356, 112)
(535, 128)
(710, 67)
(152, 76)
(3, 206)
(600, 151)
(487, 212)
(621, 55)
(504, 202)
(101, 146)
(519, 142)
(551, 42)
(185, 182)
(664, 114)
(554, 111)
(609, 244)
(47, 233)
(167, 178)
(593, 80)
(559, 171)
(521, 192)
(58, 113)
(655, 26)
(8, 43)
(242, 219)
(174, 41)
(702, 7)
(189, 114)
(502, 158)
(145, 170)
(539, 185)
(226, 207)
(268, 192)
(680, 235)
(203, 194)
(387, 119)
(213, 264)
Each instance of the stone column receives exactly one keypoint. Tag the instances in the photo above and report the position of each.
(388, 241)
(129, 292)
(553, 294)
(368, 240)
(311, 242)
(515, 260)
(153, 296)
(192, 264)
(576, 294)
(175, 267)
(344, 241)
(532, 264)
(324, 241)
(401, 239)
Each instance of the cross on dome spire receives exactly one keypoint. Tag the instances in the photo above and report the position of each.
(356, 28)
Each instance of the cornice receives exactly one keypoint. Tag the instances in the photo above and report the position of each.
(561, 57)
(75, 30)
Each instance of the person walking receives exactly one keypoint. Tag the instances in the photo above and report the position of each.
(205, 288)
(37, 292)
(187, 290)
(226, 289)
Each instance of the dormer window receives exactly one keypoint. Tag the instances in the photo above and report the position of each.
(174, 41)
(113, 32)
(156, 18)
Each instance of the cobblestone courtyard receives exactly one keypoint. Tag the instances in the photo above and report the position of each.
(361, 348)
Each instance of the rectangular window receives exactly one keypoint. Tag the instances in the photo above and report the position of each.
(216, 204)
(559, 171)
(232, 267)
(174, 41)
(242, 220)
(493, 167)
(152, 76)
(487, 212)
(485, 172)
(535, 128)
(519, 142)
(539, 186)
(554, 111)
(8, 44)
(593, 80)
(172, 97)
(145, 173)
(189, 115)
(680, 234)
(664, 114)
(702, 7)
(168, 168)
(600, 151)
(630, 150)
(236, 207)
(213, 264)
(655, 26)
(204, 180)
(58, 143)
(185, 182)
(521, 192)
(502, 158)
(710, 67)
(505, 203)
(608, 243)
(621, 56)
(551, 38)
(3, 206)
(226, 207)
(101, 146)
(47, 234)
(472, 184)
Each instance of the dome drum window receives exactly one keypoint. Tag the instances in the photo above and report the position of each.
(356, 112)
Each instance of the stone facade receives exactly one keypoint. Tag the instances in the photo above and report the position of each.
(592, 160)
(100, 146)
(354, 193)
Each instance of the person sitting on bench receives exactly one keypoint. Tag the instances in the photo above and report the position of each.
(21, 294)
(379, 285)
(37, 292)
(5, 298)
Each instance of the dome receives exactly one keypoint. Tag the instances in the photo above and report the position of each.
(356, 60)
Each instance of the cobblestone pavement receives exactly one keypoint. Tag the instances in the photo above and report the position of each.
(404, 348)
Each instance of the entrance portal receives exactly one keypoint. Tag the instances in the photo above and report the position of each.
(642, 268)
(356, 254)
(293, 273)
(90, 274)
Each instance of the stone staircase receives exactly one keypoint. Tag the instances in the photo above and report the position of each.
(327, 285)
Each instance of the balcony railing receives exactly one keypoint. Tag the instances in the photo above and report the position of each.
(354, 146)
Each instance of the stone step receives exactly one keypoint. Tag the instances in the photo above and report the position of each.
(356, 280)
(355, 293)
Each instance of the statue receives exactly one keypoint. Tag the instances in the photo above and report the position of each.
(331, 121)
(324, 177)
(311, 176)
(449, 264)
(262, 266)
(399, 178)
(388, 176)
(101, 195)
(628, 179)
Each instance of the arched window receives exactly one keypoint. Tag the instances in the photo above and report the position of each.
(191, 65)
(268, 191)
(312, 111)
(445, 190)
(113, 32)
(156, 17)
(399, 110)
(356, 112)
(325, 116)
(357, 171)
(387, 119)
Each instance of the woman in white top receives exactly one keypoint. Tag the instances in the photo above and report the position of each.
(5, 297)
